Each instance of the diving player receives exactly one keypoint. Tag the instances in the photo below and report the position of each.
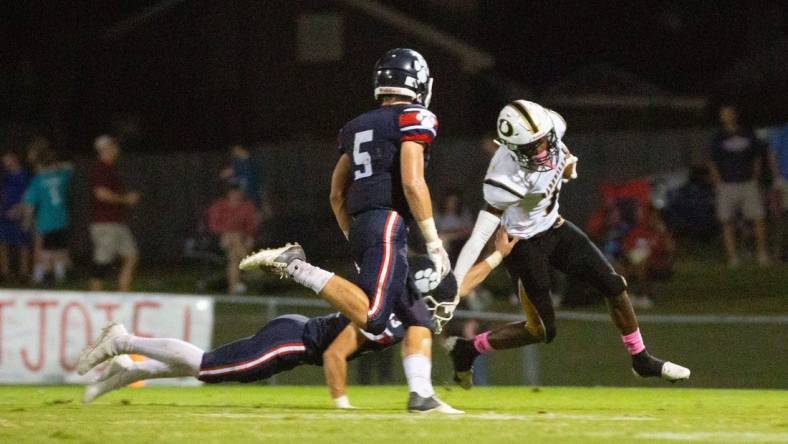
(282, 344)
(521, 190)
(377, 188)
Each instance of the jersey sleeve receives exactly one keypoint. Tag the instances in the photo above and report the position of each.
(499, 195)
(498, 189)
(418, 125)
(340, 143)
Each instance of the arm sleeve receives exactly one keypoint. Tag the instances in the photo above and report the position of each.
(486, 224)
(418, 125)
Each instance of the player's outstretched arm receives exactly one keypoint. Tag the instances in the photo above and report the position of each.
(418, 196)
(335, 364)
(340, 181)
(486, 224)
(480, 271)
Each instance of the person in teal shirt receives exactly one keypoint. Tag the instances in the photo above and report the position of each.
(46, 199)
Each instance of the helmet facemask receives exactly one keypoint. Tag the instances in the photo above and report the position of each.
(527, 155)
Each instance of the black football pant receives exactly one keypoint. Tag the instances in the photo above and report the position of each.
(569, 250)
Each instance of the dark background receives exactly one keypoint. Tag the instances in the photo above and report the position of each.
(199, 74)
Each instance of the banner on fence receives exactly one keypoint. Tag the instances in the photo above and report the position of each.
(43, 332)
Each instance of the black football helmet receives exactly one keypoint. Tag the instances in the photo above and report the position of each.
(403, 72)
(440, 295)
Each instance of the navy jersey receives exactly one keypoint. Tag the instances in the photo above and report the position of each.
(321, 331)
(372, 142)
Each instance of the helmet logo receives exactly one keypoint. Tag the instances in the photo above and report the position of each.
(421, 71)
(505, 128)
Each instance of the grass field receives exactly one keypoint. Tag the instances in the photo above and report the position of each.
(236, 414)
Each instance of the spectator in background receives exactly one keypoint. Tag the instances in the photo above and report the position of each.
(691, 209)
(37, 145)
(778, 161)
(46, 199)
(232, 218)
(12, 235)
(109, 228)
(648, 254)
(454, 223)
(242, 172)
(736, 159)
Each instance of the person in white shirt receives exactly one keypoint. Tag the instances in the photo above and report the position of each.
(521, 191)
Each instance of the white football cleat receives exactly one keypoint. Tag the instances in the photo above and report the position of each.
(274, 260)
(109, 380)
(102, 350)
(674, 372)
(430, 404)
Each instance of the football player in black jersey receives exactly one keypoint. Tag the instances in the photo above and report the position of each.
(377, 189)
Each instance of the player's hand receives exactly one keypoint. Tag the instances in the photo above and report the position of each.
(439, 257)
(502, 243)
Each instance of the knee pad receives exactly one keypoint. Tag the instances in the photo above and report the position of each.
(614, 285)
(101, 271)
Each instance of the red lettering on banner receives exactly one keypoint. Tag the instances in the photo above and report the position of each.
(135, 319)
(187, 323)
(107, 309)
(2, 305)
(64, 364)
(42, 331)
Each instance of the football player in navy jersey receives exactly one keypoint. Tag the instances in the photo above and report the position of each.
(280, 345)
(377, 188)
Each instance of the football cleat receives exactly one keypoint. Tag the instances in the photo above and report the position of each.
(418, 404)
(674, 372)
(102, 349)
(273, 260)
(647, 366)
(109, 380)
(462, 355)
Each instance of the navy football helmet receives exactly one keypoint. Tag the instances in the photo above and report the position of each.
(403, 72)
(438, 294)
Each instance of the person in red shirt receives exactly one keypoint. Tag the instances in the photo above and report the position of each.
(109, 228)
(648, 251)
(232, 218)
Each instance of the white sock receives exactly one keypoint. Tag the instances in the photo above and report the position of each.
(153, 369)
(173, 352)
(417, 372)
(306, 274)
(148, 369)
